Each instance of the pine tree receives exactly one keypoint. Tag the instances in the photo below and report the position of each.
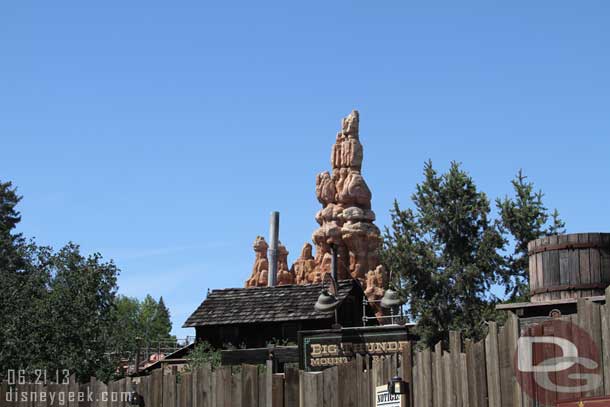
(164, 320)
(155, 320)
(24, 280)
(526, 218)
(446, 251)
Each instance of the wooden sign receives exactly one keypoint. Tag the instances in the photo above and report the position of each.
(587, 402)
(384, 399)
(321, 349)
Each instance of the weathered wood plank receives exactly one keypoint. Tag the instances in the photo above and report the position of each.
(605, 258)
(269, 383)
(595, 261)
(291, 387)
(492, 366)
(277, 390)
(448, 380)
(455, 349)
(249, 386)
(574, 261)
(606, 342)
(262, 387)
(438, 383)
(470, 373)
(564, 270)
(204, 389)
(312, 389)
(330, 384)
(585, 272)
(464, 378)
(505, 368)
(596, 335)
(156, 387)
(427, 377)
(553, 264)
(169, 390)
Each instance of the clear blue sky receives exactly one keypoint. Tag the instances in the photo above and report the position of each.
(162, 134)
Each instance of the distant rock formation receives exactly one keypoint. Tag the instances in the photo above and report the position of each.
(303, 267)
(346, 221)
(260, 270)
(375, 283)
(284, 275)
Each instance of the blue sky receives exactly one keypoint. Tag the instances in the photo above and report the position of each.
(162, 135)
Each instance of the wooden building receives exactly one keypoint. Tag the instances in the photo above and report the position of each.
(259, 316)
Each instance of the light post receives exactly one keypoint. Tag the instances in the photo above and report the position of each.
(391, 298)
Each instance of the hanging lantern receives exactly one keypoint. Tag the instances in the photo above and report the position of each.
(397, 386)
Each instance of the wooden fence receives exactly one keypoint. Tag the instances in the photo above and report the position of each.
(244, 386)
(467, 374)
(482, 374)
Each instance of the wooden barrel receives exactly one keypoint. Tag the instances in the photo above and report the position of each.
(569, 266)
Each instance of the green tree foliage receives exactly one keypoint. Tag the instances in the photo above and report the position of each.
(203, 354)
(80, 314)
(56, 307)
(141, 324)
(155, 320)
(24, 280)
(127, 329)
(526, 218)
(447, 253)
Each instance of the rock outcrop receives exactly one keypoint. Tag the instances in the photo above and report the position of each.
(303, 267)
(346, 221)
(284, 275)
(346, 218)
(260, 270)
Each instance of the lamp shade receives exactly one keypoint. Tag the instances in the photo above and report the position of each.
(391, 299)
(326, 302)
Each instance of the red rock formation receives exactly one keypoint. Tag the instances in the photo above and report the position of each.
(261, 264)
(346, 220)
(375, 281)
(284, 275)
(304, 266)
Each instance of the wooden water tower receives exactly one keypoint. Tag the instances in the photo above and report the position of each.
(569, 266)
(563, 268)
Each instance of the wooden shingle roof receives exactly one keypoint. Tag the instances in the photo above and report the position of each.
(264, 304)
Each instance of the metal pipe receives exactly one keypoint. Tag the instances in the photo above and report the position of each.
(334, 265)
(274, 233)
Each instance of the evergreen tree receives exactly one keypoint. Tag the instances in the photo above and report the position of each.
(164, 320)
(80, 316)
(446, 251)
(127, 329)
(526, 218)
(155, 320)
(24, 278)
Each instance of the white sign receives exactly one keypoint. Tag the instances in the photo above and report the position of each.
(386, 399)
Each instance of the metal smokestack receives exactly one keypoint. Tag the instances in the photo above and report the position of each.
(274, 232)
(334, 265)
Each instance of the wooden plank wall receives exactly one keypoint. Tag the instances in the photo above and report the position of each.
(351, 385)
(463, 374)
